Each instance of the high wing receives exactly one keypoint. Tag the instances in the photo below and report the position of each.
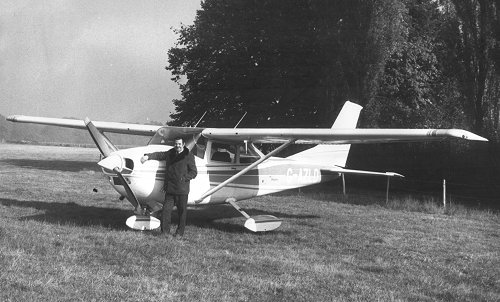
(266, 135)
(334, 136)
(124, 128)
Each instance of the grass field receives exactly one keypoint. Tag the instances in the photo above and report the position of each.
(60, 241)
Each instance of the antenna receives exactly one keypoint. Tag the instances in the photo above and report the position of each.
(240, 119)
(196, 125)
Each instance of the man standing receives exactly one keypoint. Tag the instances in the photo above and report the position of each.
(180, 168)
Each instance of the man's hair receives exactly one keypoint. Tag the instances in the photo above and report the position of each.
(179, 138)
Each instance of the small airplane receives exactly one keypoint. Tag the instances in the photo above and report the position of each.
(230, 167)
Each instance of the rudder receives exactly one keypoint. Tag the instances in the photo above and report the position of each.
(334, 154)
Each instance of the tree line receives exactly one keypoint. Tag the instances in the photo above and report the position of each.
(410, 63)
(293, 63)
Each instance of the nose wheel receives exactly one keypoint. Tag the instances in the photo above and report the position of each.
(143, 223)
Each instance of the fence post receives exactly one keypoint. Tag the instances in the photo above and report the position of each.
(444, 192)
(343, 184)
(387, 190)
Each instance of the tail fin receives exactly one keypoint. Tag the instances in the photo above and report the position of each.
(334, 154)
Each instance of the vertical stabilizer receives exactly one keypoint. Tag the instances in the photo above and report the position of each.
(334, 154)
(348, 116)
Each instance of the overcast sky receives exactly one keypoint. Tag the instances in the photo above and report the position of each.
(101, 59)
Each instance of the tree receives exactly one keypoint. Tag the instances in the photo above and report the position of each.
(284, 62)
(478, 22)
(414, 90)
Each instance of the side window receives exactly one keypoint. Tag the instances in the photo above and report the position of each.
(200, 147)
(221, 153)
(247, 154)
(236, 154)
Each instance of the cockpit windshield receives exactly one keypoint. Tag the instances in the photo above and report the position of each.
(236, 153)
(167, 135)
(161, 138)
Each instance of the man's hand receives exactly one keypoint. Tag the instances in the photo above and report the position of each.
(144, 159)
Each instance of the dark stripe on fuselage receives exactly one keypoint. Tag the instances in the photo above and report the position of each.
(251, 178)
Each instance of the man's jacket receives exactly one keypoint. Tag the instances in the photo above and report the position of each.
(179, 170)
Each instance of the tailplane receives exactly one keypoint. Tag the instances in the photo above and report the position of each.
(334, 154)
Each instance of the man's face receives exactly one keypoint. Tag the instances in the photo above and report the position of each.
(179, 145)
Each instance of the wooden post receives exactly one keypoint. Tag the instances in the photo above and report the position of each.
(343, 183)
(444, 192)
(387, 190)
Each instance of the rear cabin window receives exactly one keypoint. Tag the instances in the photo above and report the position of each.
(233, 153)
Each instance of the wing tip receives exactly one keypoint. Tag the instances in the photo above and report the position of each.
(464, 134)
(12, 118)
(394, 174)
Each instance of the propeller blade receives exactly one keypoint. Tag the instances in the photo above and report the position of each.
(102, 142)
(115, 163)
(130, 194)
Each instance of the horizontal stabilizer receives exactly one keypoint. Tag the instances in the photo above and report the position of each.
(362, 172)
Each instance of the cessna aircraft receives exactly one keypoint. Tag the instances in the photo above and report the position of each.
(230, 167)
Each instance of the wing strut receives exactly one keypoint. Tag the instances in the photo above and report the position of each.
(259, 223)
(253, 165)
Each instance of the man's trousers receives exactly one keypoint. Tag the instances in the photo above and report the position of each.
(180, 202)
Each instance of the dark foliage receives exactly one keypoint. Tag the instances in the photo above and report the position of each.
(283, 62)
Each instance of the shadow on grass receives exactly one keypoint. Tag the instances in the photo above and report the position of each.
(208, 216)
(72, 213)
(79, 215)
(59, 165)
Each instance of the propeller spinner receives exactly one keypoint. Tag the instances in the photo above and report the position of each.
(113, 162)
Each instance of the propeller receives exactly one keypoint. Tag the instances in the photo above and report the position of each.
(102, 142)
(113, 162)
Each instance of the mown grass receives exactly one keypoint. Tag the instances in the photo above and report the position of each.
(60, 241)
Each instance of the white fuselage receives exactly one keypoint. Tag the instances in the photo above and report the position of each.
(274, 175)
